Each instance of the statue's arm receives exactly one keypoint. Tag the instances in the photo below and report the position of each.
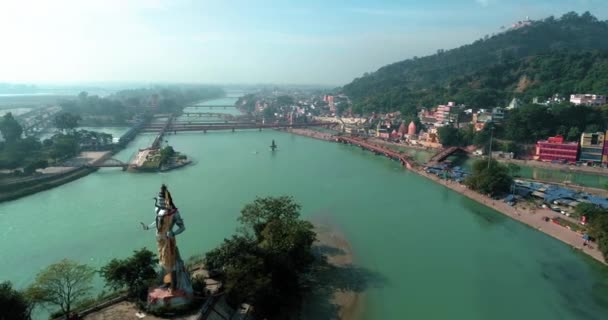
(181, 227)
(148, 227)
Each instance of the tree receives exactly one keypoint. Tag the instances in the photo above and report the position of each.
(66, 121)
(63, 284)
(598, 229)
(588, 210)
(134, 273)
(573, 134)
(269, 112)
(284, 101)
(64, 146)
(13, 304)
(592, 128)
(265, 261)
(10, 128)
(166, 153)
(449, 136)
(32, 167)
(492, 179)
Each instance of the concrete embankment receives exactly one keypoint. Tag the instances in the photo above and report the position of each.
(22, 189)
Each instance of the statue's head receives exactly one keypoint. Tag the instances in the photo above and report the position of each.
(164, 200)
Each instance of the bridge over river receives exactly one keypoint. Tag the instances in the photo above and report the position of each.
(204, 127)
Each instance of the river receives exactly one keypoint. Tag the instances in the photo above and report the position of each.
(424, 251)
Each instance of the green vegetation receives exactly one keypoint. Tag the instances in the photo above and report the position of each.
(265, 262)
(31, 154)
(123, 105)
(14, 304)
(165, 154)
(63, 285)
(597, 224)
(538, 60)
(10, 128)
(489, 177)
(531, 123)
(66, 121)
(135, 273)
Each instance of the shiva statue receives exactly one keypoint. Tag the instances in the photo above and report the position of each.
(176, 288)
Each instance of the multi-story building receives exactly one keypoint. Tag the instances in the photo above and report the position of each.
(592, 147)
(498, 115)
(443, 113)
(556, 149)
(588, 99)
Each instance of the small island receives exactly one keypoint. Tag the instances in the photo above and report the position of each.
(163, 159)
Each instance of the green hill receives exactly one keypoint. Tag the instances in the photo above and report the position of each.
(562, 55)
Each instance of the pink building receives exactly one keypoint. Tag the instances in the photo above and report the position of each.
(402, 129)
(555, 148)
(443, 112)
(330, 102)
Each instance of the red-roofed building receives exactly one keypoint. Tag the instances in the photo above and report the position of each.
(555, 148)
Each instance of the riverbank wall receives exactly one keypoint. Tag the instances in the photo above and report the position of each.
(25, 188)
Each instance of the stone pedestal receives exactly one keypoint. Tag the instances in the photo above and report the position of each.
(163, 299)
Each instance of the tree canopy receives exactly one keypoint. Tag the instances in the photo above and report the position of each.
(66, 121)
(13, 304)
(134, 273)
(11, 129)
(63, 284)
(493, 179)
(265, 261)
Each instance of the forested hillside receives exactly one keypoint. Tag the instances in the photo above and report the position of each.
(551, 56)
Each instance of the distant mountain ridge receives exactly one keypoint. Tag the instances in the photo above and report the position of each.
(468, 74)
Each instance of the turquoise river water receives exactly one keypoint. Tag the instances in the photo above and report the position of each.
(428, 253)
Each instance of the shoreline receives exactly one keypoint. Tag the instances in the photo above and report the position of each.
(531, 218)
(327, 301)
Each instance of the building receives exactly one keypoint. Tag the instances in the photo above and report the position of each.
(480, 119)
(498, 115)
(593, 100)
(411, 129)
(556, 149)
(515, 104)
(592, 147)
(443, 114)
(383, 130)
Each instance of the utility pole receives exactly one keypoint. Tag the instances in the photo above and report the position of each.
(490, 150)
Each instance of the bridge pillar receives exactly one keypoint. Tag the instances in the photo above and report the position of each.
(260, 129)
(204, 130)
(232, 129)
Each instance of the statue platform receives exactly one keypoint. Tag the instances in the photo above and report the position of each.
(165, 299)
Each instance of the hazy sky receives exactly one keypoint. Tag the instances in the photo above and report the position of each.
(246, 41)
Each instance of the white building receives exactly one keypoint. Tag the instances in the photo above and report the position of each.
(514, 104)
(588, 99)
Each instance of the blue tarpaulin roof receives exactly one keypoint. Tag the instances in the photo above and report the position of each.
(552, 193)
